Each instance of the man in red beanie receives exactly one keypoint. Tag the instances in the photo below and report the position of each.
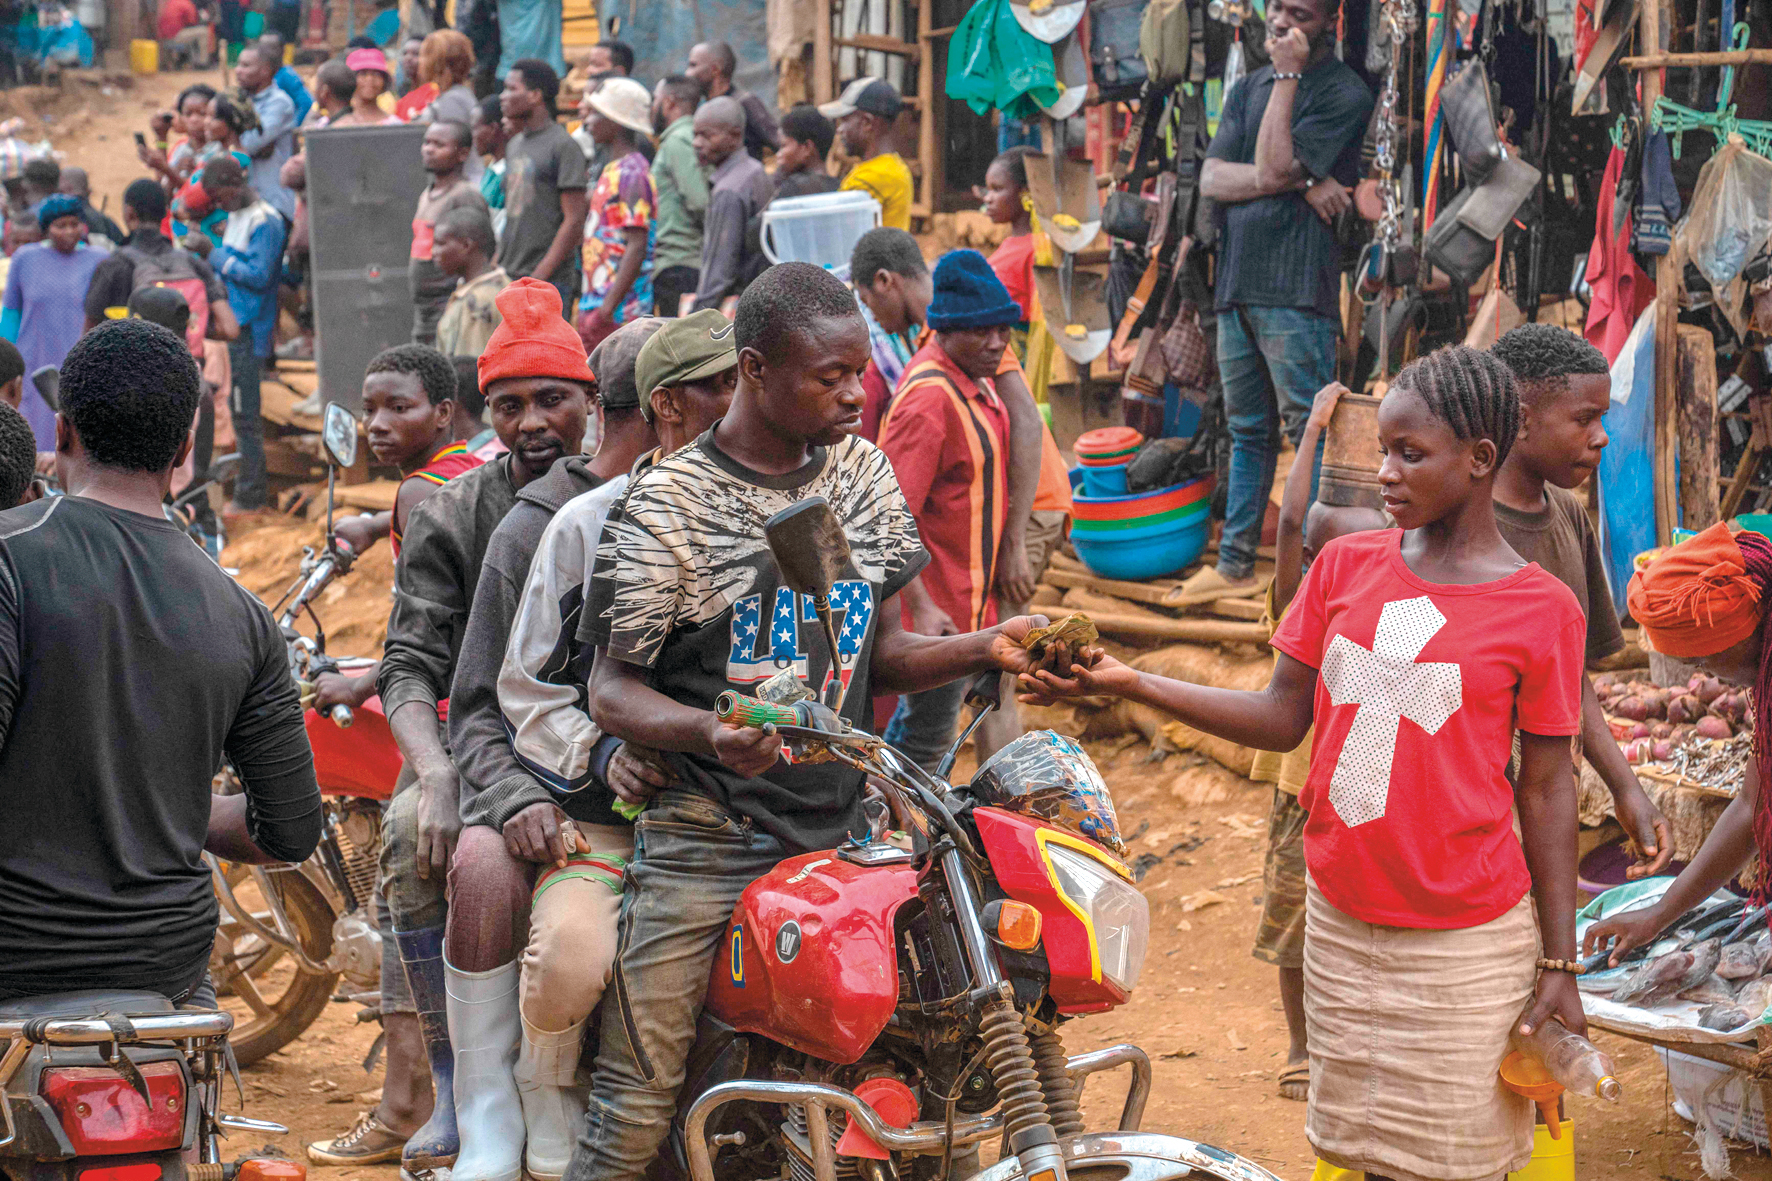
(537, 386)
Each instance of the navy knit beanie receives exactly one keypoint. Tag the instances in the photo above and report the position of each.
(968, 294)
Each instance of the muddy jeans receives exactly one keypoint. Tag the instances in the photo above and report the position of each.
(404, 901)
(572, 930)
(692, 860)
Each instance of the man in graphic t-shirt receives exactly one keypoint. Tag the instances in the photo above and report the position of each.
(685, 602)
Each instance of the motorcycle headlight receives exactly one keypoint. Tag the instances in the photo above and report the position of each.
(1114, 909)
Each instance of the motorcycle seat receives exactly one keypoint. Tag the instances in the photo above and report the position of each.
(87, 1002)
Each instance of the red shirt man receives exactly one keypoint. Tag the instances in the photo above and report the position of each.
(175, 17)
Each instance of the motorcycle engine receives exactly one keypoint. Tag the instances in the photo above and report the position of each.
(794, 1130)
(356, 952)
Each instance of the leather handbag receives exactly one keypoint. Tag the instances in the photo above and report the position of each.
(1186, 352)
(1462, 239)
(1127, 215)
(1114, 58)
(1470, 120)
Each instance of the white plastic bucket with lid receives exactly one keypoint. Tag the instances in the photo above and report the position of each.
(821, 229)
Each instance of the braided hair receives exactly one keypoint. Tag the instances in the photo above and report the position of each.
(1470, 391)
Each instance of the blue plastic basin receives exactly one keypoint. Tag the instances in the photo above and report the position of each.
(1146, 552)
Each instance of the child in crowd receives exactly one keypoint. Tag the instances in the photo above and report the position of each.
(12, 374)
(806, 138)
(1005, 198)
(1565, 391)
(1433, 641)
(1306, 526)
(892, 282)
(865, 113)
(445, 153)
(18, 460)
(463, 250)
(489, 145)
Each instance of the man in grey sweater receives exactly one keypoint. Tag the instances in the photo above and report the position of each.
(739, 188)
(568, 833)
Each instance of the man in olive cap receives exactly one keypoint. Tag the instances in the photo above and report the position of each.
(686, 375)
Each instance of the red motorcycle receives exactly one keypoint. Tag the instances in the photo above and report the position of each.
(882, 1008)
(289, 933)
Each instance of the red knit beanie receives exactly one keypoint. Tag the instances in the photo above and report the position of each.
(533, 340)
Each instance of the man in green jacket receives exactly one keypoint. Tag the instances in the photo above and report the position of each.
(682, 194)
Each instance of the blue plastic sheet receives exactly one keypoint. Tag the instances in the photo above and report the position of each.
(1626, 475)
(662, 35)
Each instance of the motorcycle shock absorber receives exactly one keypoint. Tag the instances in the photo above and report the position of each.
(1063, 1102)
(1026, 1122)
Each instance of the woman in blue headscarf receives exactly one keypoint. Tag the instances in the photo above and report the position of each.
(44, 309)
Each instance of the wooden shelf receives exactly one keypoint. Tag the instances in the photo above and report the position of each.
(875, 43)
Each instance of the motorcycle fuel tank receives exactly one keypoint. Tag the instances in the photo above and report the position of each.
(359, 760)
(809, 959)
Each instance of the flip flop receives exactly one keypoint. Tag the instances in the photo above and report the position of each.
(1208, 586)
(1295, 1081)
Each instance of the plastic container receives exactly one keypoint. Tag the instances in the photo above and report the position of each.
(821, 229)
(1136, 505)
(1553, 1157)
(1144, 551)
(1105, 481)
(144, 57)
(1107, 440)
(1186, 514)
(1328, 1172)
(1570, 1059)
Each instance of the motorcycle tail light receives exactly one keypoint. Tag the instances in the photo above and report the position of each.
(146, 1171)
(104, 1116)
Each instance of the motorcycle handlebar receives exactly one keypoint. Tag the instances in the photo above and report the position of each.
(739, 710)
(341, 716)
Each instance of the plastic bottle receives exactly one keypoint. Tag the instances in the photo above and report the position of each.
(1571, 1059)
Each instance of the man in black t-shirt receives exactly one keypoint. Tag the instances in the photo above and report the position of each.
(113, 625)
(686, 602)
(1285, 156)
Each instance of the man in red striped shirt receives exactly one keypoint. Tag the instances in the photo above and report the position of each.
(947, 435)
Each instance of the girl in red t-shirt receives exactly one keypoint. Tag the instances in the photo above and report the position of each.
(1419, 652)
(1005, 199)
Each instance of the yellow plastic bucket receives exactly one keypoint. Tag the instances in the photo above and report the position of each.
(1328, 1172)
(1552, 1160)
(144, 57)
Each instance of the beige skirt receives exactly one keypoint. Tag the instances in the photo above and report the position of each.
(1408, 1028)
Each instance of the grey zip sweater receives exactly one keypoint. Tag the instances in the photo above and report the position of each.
(495, 785)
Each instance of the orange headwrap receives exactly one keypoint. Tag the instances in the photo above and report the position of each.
(1697, 598)
(533, 340)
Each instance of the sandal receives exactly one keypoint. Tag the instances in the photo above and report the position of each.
(1295, 1081)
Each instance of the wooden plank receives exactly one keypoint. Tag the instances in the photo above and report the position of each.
(1158, 593)
(1696, 388)
(928, 150)
(823, 68)
(877, 43)
(1209, 631)
(1730, 57)
(377, 496)
(277, 402)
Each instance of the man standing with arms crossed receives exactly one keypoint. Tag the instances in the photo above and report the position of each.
(1286, 153)
(682, 194)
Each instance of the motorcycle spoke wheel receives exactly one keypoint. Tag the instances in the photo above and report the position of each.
(272, 998)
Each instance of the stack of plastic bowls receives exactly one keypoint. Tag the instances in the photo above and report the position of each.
(1142, 535)
(1103, 455)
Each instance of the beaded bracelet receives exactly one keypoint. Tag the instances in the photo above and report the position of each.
(1283, 76)
(1573, 967)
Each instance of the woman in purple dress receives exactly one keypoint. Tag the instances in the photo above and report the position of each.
(44, 310)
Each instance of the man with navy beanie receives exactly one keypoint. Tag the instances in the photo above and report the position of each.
(947, 435)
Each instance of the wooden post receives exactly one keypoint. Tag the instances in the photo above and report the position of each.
(1651, 33)
(1696, 374)
(822, 68)
(926, 107)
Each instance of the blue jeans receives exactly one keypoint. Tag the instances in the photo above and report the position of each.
(923, 724)
(692, 861)
(250, 488)
(1269, 359)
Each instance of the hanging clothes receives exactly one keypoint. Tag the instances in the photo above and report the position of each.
(994, 63)
(1658, 207)
(1620, 289)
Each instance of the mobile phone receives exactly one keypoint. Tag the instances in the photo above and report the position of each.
(140, 141)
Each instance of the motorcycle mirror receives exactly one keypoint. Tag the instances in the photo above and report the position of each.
(986, 690)
(812, 552)
(808, 543)
(338, 435)
(48, 381)
(223, 468)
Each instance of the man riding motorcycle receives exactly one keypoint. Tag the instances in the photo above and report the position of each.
(687, 602)
(130, 664)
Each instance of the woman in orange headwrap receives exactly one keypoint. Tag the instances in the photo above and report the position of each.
(1705, 601)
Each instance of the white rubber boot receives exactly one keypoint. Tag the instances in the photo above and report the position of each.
(485, 1029)
(553, 1103)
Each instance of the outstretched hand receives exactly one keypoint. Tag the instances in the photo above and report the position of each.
(1084, 673)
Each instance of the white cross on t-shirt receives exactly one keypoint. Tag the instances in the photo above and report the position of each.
(1388, 686)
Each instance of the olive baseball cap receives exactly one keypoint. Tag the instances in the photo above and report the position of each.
(698, 345)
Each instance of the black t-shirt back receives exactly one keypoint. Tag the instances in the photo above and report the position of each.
(129, 664)
(1275, 251)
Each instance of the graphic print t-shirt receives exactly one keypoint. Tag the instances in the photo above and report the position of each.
(686, 587)
(1421, 687)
